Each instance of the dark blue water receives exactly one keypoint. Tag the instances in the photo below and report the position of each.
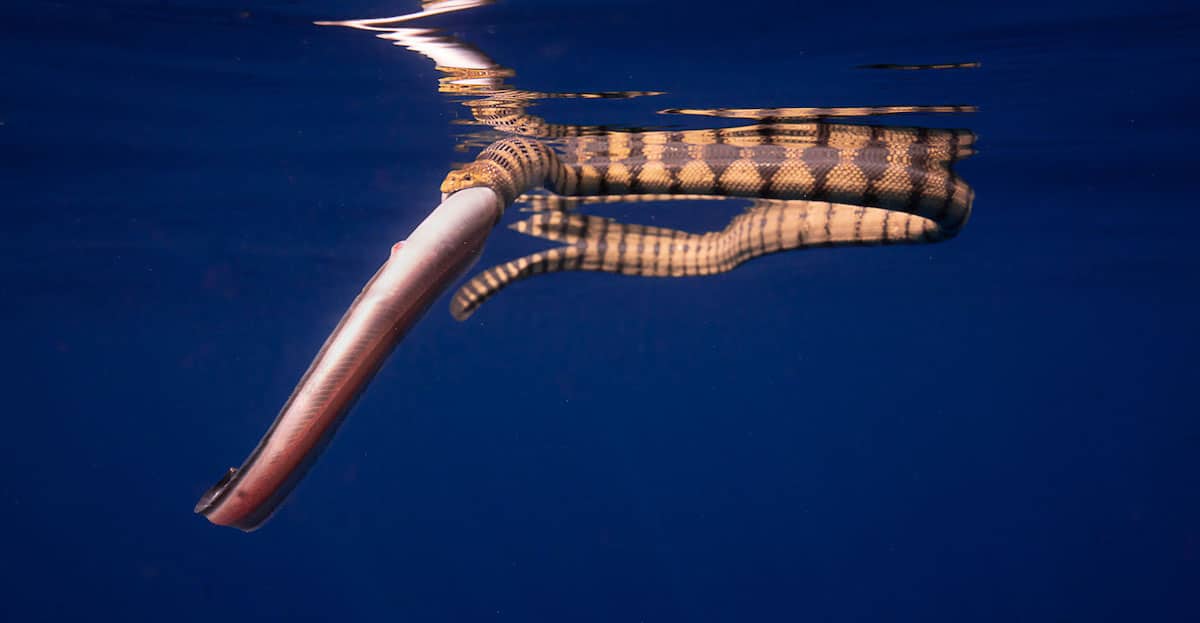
(1001, 427)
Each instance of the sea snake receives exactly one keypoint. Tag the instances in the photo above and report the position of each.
(813, 184)
(875, 166)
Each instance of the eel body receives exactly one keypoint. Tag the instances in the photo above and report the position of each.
(416, 272)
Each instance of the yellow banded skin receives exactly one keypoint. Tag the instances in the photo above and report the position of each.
(510, 167)
(875, 166)
(602, 244)
(813, 184)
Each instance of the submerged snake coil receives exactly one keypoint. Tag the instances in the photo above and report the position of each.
(813, 184)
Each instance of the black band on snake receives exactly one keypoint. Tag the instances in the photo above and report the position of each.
(814, 184)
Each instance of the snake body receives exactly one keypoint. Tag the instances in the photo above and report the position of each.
(893, 168)
(813, 184)
(602, 244)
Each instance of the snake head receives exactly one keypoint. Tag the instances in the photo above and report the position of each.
(459, 179)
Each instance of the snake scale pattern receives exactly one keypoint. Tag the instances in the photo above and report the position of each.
(813, 184)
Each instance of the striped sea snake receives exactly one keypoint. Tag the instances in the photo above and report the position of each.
(813, 184)
(595, 243)
(877, 166)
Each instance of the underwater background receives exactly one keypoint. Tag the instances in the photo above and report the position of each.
(999, 427)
